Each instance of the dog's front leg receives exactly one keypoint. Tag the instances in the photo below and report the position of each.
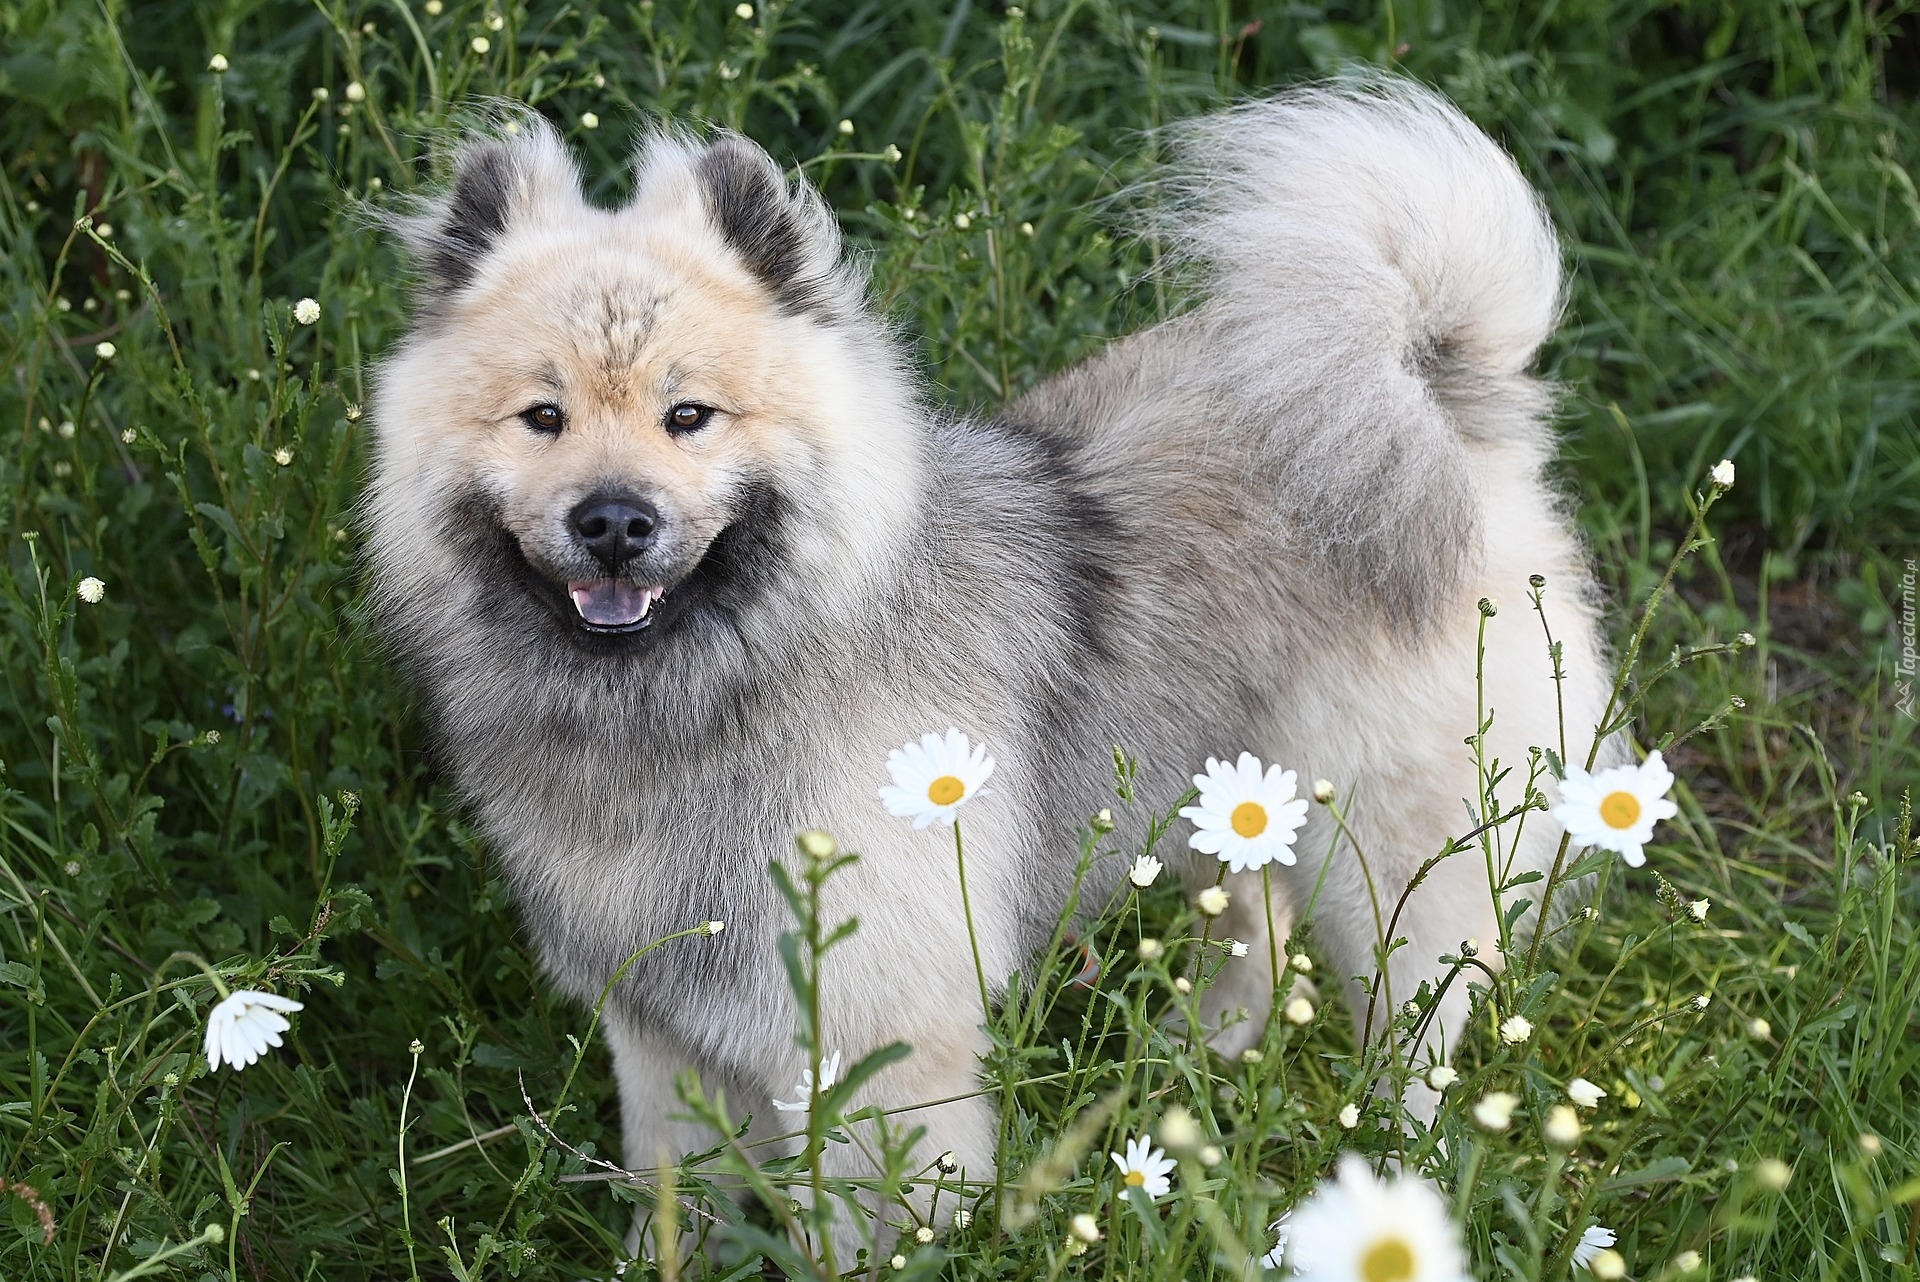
(1236, 1005)
(656, 1128)
(937, 1087)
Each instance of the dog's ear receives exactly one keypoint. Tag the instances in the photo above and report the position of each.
(784, 233)
(520, 176)
(780, 230)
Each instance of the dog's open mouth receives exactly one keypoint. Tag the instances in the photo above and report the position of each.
(613, 605)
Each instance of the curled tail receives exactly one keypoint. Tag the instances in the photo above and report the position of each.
(1378, 276)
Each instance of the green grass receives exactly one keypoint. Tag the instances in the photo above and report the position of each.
(215, 760)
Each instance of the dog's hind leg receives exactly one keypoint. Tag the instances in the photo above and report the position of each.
(1356, 911)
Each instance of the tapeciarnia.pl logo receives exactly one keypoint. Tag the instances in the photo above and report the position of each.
(1904, 668)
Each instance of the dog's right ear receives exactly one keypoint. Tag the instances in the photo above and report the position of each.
(498, 183)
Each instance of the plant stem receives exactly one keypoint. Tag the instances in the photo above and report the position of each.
(973, 938)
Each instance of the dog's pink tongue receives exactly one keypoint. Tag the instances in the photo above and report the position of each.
(610, 603)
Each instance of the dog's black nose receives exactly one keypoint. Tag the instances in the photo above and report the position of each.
(614, 528)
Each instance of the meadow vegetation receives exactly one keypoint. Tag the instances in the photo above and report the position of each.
(212, 763)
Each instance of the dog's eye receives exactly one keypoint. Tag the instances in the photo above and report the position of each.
(544, 418)
(688, 417)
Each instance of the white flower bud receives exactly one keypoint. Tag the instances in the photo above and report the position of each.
(1494, 1110)
(1562, 1129)
(1584, 1093)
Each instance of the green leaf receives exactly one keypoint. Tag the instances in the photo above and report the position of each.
(1660, 1171)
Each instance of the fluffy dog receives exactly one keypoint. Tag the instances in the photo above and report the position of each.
(678, 549)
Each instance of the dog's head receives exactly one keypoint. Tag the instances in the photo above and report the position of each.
(625, 415)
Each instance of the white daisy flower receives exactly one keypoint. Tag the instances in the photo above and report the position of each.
(242, 1026)
(1144, 870)
(1213, 900)
(1515, 1030)
(1299, 1011)
(1145, 1167)
(1595, 1240)
(1617, 808)
(91, 590)
(1282, 1230)
(1246, 817)
(1085, 1228)
(1441, 1076)
(1356, 1229)
(1238, 947)
(1349, 1116)
(217, 64)
(1585, 1093)
(307, 310)
(829, 1074)
(1722, 474)
(935, 777)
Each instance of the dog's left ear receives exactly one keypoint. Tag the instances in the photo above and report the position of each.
(780, 230)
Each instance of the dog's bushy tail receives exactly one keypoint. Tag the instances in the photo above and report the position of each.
(1379, 276)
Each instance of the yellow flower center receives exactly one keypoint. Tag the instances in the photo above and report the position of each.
(1135, 1179)
(945, 790)
(1388, 1260)
(1249, 819)
(1620, 809)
